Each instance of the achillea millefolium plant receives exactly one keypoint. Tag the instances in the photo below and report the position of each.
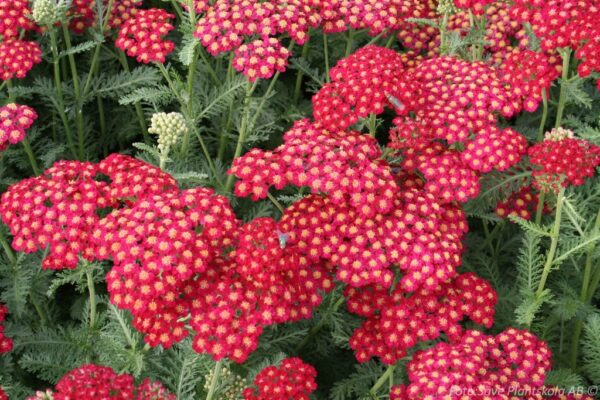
(299, 199)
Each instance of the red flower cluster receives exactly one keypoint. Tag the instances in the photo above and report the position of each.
(364, 83)
(522, 203)
(494, 149)
(14, 16)
(492, 367)
(261, 58)
(561, 160)
(143, 36)
(158, 245)
(293, 380)
(6, 344)
(398, 321)
(263, 281)
(557, 23)
(501, 31)
(59, 208)
(92, 382)
(83, 13)
(3, 395)
(476, 6)
(17, 57)
(15, 119)
(529, 73)
(344, 165)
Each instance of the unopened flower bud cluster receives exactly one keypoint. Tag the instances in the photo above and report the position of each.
(169, 128)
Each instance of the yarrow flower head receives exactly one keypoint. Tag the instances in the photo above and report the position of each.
(14, 17)
(561, 160)
(81, 15)
(3, 395)
(93, 382)
(15, 119)
(169, 128)
(143, 36)
(476, 6)
(157, 252)
(260, 59)
(419, 235)
(398, 321)
(365, 83)
(501, 365)
(522, 203)
(6, 344)
(342, 164)
(17, 58)
(58, 209)
(292, 380)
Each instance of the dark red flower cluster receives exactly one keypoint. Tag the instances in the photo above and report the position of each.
(83, 13)
(264, 280)
(143, 36)
(561, 160)
(15, 119)
(261, 58)
(529, 72)
(3, 395)
(479, 366)
(14, 17)
(557, 23)
(227, 23)
(59, 209)
(158, 245)
(344, 165)
(522, 203)
(502, 33)
(6, 344)
(292, 380)
(476, 6)
(93, 382)
(458, 101)
(364, 83)
(418, 235)
(398, 321)
(17, 57)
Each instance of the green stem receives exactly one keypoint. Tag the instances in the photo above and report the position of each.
(566, 56)
(138, 108)
(542, 129)
(32, 161)
(349, 42)
(190, 103)
(58, 88)
(372, 124)
(77, 91)
(382, 379)
(209, 67)
(246, 124)
(553, 244)
(317, 328)
(300, 76)
(92, 290)
(228, 120)
(275, 202)
(7, 249)
(584, 295)
(326, 55)
(540, 207)
(443, 27)
(215, 380)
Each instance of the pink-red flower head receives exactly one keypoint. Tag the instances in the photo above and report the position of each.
(6, 344)
(17, 58)
(143, 36)
(292, 380)
(260, 59)
(15, 119)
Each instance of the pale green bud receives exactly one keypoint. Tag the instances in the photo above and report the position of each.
(46, 12)
(169, 128)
